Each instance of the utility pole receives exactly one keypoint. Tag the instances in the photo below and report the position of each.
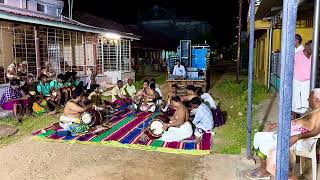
(239, 41)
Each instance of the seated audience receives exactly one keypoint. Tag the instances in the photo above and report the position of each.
(47, 70)
(56, 87)
(207, 98)
(119, 95)
(44, 90)
(302, 131)
(203, 119)
(12, 99)
(22, 70)
(154, 81)
(130, 89)
(95, 96)
(179, 128)
(28, 87)
(29, 92)
(11, 72)
(158, 96)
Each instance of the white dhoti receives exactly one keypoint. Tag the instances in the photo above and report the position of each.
(65, 121)
(264, 142)
(178, 134)
(300, 95)
(267, 141)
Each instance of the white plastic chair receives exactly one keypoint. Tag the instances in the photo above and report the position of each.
(309, 154)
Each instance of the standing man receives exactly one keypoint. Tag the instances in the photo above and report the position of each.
(179, 72)
(301, 80)
(297, 43)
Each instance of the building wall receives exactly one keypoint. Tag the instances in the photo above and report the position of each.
(14, 3)
(261, 58)
(51, 7)
(6, 46)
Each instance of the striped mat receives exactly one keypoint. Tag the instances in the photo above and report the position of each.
(126, 131)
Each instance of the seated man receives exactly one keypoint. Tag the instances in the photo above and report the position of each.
(130, 89)
(48, 70)
(179, 72)
(173, 92)
(144, 98)
(22, 70)
(179, 128)
(203, 119)
(11, 99)
(207, 98)
(72, 111)
(154, 81)
(119, 95)
(11, 72)
(95, 96)
(44, 90)
(191, 93)
(301, 129)
(157, 94)
(56, 87)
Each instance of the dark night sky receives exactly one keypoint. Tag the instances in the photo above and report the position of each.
(221, 14)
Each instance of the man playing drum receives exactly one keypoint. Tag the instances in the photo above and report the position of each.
(72, 111)
(145, 98)
(179, 128)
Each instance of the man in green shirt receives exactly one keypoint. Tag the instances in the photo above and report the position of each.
(56, 87)
(44, 90)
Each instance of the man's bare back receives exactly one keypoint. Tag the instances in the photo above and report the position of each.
(310, 120)
(180, 116)
(74, 110)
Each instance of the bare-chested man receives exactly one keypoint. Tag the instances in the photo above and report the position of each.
(145, 97)
(302, 131)
(72, 111)
(179, 128)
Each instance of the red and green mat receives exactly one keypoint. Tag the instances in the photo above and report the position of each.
(126, 131)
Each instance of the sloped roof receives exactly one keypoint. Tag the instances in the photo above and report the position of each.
(96, 21)
(26, 16)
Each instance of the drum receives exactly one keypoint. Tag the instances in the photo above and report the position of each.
(91, 117)
(155, 129)
(163, 118)
(149, 107)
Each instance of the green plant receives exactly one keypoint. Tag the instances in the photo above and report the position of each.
(138, 84)
(28, 125)
(233, 96)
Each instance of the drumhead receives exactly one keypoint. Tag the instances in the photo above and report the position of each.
(86, 118)
(156, 127)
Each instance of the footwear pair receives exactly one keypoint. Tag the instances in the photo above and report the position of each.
(255, 175)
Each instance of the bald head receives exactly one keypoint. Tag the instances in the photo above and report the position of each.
(316, 93)
(314, 98)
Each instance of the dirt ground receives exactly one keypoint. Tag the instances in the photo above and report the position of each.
(29, 159)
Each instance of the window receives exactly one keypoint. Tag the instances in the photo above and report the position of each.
(40, 7)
